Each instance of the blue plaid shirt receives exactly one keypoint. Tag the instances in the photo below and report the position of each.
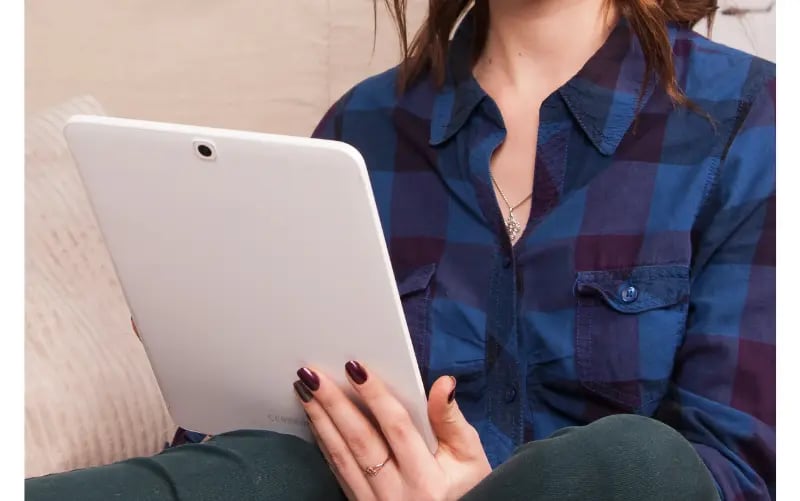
(645, 279)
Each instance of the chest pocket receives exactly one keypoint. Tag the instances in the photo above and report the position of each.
(628, 325)
(416, 293)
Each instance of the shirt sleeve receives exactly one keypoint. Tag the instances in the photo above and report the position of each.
(722, 394)
(331, 124)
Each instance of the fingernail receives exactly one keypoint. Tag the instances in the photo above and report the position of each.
(356, 372)
(452, 394)
(303, 391)
(308, 378)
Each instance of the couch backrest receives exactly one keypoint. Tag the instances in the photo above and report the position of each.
(272, 66)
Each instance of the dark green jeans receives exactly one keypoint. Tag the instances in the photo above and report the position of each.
(617, 458)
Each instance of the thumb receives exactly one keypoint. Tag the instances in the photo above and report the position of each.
(449, 425)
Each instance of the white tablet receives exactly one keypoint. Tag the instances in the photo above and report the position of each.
(244, 257)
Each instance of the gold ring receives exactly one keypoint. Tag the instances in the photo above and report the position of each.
(372, 471)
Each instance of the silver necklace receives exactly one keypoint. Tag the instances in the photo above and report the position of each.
(513, 228)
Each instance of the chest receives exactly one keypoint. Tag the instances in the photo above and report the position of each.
(596, 222)
(592, 210)
(513, 166)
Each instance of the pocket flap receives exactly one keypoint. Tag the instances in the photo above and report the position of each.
(417, 280)
(639, 289)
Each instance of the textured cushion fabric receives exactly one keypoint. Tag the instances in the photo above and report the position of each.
(90, 394)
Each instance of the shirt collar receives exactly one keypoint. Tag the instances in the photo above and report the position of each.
(603, 97)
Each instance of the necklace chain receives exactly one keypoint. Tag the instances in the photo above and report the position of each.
(513, 228)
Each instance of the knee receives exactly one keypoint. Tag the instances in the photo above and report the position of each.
(650, 449)
(622, 430)
(637, 438)
(633, 426)
(631, 455)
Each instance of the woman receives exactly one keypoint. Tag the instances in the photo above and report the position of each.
(579, 201)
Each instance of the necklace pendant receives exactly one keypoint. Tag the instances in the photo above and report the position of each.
(513, 227)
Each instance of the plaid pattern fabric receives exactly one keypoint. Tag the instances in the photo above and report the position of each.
(644, 281)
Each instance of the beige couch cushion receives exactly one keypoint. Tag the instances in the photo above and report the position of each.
(271, 66)
(90, 395)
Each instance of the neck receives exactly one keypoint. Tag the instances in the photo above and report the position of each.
(541, 44)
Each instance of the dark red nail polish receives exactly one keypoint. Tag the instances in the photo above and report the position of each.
(356, 372)
(303, 391)
(452, 394)
(308, 378)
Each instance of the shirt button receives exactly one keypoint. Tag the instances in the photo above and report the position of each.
(629, 294)
(511, 394)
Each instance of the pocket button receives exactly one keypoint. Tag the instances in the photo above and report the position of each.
(629, 294)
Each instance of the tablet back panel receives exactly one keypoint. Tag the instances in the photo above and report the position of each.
(242, 268)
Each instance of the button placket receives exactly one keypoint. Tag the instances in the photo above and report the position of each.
(505, 407)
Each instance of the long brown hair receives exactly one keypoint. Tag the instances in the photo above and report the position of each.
(427, 51)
